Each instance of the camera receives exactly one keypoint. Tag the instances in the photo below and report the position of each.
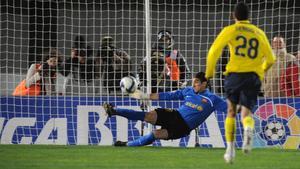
(80, 52)
(107, 51)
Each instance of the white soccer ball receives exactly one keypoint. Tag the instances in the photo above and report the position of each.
(128, 84)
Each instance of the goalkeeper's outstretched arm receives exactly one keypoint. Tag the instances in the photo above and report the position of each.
(138, 94)
(174, 95)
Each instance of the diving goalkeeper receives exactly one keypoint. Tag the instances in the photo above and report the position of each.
(199, 103)
(250, 57)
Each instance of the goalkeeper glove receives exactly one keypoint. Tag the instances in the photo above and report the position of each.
(138, 94)
(182, 84)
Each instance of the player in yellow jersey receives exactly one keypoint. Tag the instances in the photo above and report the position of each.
(250, 57)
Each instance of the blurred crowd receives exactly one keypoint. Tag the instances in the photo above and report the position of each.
(92, 71)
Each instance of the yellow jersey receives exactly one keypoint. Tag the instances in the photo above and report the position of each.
(250, 50)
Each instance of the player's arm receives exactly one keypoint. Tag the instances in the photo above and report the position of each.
(216, 50)
(220, 104)
(138, 94)
(270, 58)
(177, 95)
(154, 96)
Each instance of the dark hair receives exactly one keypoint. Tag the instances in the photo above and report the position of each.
(107, 41)
(201, 77)
(164, 33)
(48, 71)
(241, 11)
(79, 42)
(51, 53)
(81, 48)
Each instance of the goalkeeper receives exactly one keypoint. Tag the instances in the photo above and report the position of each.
(199, 103)
(250, 57)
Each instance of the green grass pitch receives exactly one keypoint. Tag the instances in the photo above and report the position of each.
(99, 157)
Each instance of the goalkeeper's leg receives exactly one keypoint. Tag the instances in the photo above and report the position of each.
(230, 132)
(149, 117)
(145, 140)
(127, 113)
(142, 141)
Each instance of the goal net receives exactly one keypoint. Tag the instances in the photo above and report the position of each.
(96, 43)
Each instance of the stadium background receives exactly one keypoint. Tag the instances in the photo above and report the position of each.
(28, 27)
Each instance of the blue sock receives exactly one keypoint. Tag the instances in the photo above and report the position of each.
(131, 114)
(142, 141)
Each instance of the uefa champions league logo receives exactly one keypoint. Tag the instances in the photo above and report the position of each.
(277, 125)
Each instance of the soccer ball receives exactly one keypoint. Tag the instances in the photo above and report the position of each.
(128, 84)
(274, 131)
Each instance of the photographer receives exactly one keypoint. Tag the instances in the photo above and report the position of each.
(44, 74)
(79, 69)
(115, 63)
(157, 71)
(169, 70)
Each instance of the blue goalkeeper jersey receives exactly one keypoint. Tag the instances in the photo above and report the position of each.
(197, 106)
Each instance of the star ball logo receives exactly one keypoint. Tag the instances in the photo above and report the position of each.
(277, 125)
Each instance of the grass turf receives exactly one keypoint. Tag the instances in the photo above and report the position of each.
(88, 157)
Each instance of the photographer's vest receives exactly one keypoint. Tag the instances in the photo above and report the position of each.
(173, 67)
(33, 90)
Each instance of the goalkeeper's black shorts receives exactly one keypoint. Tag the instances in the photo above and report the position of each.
(243, 88)
(171, 120)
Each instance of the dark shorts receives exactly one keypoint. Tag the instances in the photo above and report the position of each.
(172, 121)
(242, 88)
